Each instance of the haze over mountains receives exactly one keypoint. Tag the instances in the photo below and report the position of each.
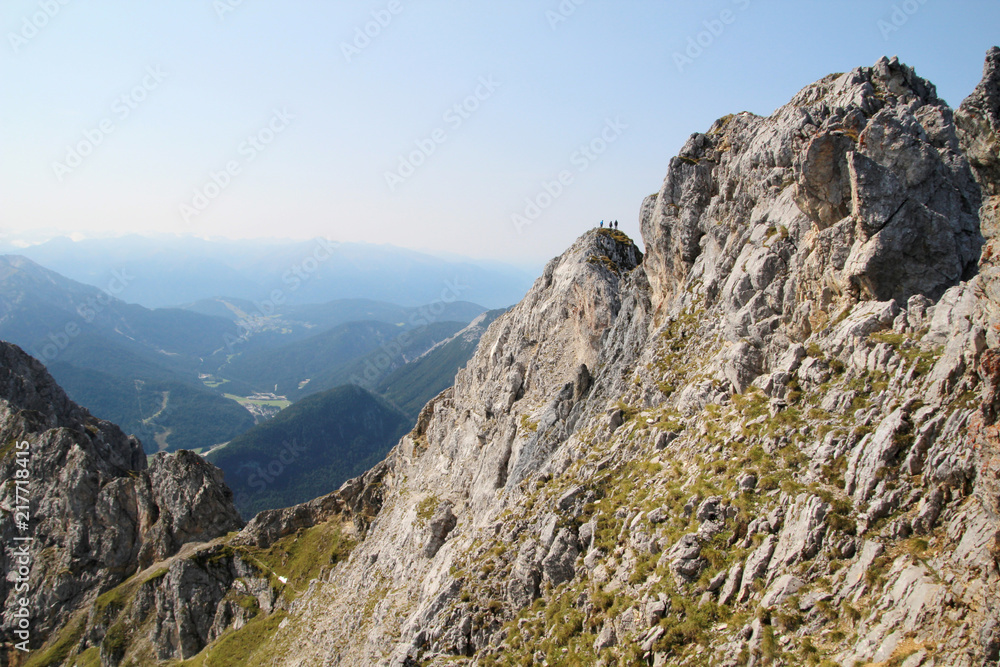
(198, 376)
(172, 270)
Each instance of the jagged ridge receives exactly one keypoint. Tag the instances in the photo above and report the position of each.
(771, 440)
(98, 512)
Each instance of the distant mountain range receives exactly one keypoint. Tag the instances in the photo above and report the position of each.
(169, 271)
(334, 357)
(136, 366)
(190, 377)
(285, 324)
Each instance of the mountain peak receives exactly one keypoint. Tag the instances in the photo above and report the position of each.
(847, 171)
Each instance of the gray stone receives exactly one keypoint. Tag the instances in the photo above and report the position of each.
(587, 532)
(558, 565)
(989, 639)
(663, 439)
(756, 566)
(743, 365)
(568, 499)
(711, 509)
(734, 577)
(747, 482)
(824, 188)
(802, 535)
(783, 588)
(928, 511)
(440, 525)
(685, 558)
(525, 577)
(874, 452)
(658, 515)
(654, 611)
(855, 578)
(715, 583)
(607, 637)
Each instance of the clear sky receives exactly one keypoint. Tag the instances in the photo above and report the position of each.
(115, 114)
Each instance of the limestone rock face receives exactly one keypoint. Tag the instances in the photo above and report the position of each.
(98, 514)
(773, 439)
(194, 504)
(797, 340)
(858, 187)
(978, 121)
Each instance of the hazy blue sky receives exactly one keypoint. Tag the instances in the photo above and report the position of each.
(183, 85)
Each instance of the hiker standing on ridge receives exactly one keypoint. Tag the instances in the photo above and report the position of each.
(602, 225)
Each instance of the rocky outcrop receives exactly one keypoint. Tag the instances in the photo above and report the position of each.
(771, 440)
(978, 121)
(98, 514)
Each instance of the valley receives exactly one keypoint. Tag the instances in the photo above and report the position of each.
(198, 376)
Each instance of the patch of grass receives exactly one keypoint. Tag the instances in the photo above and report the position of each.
(244, 401)
(89, 658)
(250, 645)
(111, 602)
(892, 338)
(249, 603)
(528, 425)
(768, 644)
(158, 574)
(917, 546)
(116, 640)
(618, 236)
(7, 449)
(628, 412)
(606, 261)
(65, 642)
(303, 556)
(214, 556)
(875, 574)
(427, 507)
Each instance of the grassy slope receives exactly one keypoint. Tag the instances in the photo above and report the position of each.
(309, 449)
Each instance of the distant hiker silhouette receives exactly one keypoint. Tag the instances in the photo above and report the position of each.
(602, 224)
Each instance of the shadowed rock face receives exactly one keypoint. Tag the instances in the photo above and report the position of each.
(98, 513)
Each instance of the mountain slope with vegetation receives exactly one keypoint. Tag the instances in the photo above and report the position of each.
(771, 440)
(132, 365)
(309, 449)
(335, 357)
(410, 386)
(371, 369)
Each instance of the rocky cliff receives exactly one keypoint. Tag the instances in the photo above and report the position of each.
(770, 440)
(97, 512)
